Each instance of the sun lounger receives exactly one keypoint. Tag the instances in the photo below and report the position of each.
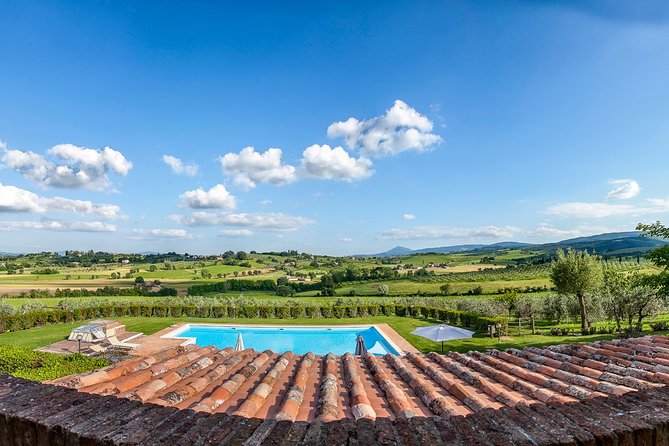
(114, 341)
(97, 348)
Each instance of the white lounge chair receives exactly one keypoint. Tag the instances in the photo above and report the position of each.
(114, 341)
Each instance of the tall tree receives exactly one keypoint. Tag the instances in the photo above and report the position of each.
(659, 256)
(577, 274)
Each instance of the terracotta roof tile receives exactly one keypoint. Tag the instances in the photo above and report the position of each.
(65, 416)
(396, 397)
(328, 403)
(360, 404)
(328, 388)
(293, 400)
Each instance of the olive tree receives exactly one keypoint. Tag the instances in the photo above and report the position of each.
(630, 297)
(577, 274)
(659, 256)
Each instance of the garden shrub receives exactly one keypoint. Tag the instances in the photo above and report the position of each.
(327, 312)
(338, 311)
(266, 312)
(40, 366)
(282, 312)
(219, 311)
(296, 312)
(659, 326)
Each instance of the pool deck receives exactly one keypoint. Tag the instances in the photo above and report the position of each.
(386, 330)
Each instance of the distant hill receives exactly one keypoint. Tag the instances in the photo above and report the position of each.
(614, 244)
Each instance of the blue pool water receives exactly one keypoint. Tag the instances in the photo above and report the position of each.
(318, 340)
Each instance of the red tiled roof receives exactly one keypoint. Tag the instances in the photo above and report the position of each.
(606, 393)
(327, 388)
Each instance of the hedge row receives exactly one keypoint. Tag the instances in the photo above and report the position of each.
(244, 285)
(475, 321)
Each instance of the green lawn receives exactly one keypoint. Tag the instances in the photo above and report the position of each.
(41, 336)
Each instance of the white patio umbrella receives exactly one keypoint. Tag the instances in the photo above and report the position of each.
(442, 332)
(240, 343)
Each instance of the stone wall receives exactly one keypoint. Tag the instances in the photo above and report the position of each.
(40, 414)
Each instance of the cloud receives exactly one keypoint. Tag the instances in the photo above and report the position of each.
(215, 198)
(154, 234)
(441, 232)
(399, 129)
(235, 233)
(179, 167)
(626, 189)
(546, 230)
(602, 210)
(14, 199)
(409, 217)
(250, 167)
(660, 203)
(267, 221)
(74, 167)
(265, 202)
(56, 225)
(326, 163)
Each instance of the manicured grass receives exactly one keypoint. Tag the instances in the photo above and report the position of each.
(41, 336)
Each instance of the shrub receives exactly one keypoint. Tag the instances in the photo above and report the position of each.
(282, 312)
(296, 312)
(40, 366)
(659, 326)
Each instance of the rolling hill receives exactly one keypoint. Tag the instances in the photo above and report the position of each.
(609, 244)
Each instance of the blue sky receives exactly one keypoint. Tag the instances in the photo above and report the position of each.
(134, 126)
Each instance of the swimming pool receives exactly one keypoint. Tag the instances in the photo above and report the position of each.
(299, 340)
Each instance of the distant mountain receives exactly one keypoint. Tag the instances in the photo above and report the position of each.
(447, 249)
(396, 251)
(149, 253)
(613, 244)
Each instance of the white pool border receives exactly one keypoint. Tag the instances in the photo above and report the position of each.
(174, 334)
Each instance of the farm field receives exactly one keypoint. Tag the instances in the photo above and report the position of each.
(408, 287)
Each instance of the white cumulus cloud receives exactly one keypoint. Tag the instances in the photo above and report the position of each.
(625, 190)
(250, 167)
(442, 232)
(268, 221)
(157, 233)
(548, 231)
(235, 233)
(14, 199)
(324, 162)
(56, 225)
(179, 167)
(399, 129)
(579, 209)
(409, 217)
(215, 198)
(72, 167)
